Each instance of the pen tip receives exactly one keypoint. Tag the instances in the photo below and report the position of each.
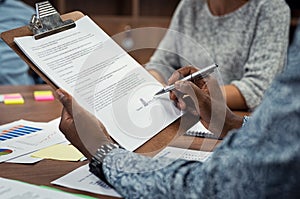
(159, 93)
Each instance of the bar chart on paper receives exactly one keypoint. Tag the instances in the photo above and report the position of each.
(17, 131)
(23, 137)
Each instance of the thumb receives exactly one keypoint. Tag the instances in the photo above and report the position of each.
(65, 99)
(174, 77)
(193, 91)
(189, 88)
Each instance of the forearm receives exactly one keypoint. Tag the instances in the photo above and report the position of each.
(157, 76)
(234, 98)
(136, 176)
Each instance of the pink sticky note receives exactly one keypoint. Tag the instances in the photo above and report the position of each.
(43, 95)
(12, 96)
(44, 98)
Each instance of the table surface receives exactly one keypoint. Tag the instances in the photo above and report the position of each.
(45, 171)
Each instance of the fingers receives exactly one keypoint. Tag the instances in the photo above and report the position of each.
(194, 93)
(180, 73)
(177, 75)
(174, 95)
(189, 105)
(188, 88)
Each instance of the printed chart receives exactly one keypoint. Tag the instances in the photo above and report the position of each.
(20, 138)
(17, 131)
(5, 151)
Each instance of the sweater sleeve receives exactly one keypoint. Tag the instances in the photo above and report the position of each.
(267, 55)
(165, 60)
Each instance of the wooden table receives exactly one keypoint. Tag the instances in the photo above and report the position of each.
(45, 171)
(31, 109)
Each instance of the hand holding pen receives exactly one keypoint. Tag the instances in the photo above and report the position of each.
(205, 97)
(191, 77)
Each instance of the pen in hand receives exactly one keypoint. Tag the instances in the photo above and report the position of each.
(199, 74)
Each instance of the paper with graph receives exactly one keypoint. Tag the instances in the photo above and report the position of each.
(23, 137)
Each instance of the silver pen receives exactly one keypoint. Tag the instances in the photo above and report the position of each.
(199, 74)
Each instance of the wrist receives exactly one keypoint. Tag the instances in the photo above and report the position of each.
(97, 160)
(233, 121)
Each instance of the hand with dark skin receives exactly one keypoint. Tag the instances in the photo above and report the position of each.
(204, 98)
(80, 127)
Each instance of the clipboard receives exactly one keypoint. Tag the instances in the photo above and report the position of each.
(8, 36)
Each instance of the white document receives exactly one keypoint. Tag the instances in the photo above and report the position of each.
(17, 189)
(24, 159)
(82, 179)
(23, 137)
(180, 153)
(105, 80)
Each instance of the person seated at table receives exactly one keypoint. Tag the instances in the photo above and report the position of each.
(13, 70)
(259, 160)
(248, 39)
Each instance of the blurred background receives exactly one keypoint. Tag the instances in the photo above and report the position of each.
(115, 16)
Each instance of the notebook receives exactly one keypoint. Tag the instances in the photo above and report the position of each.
(198, 130)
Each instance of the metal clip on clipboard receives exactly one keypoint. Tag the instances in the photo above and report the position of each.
(47, 21)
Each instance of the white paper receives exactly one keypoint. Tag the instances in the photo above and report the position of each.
(25, 159)
(82, 179)
(180, 153)
(105, 80)
(15, 189)
(26, 144)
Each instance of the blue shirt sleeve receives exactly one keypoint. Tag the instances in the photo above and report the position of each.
(14, 70)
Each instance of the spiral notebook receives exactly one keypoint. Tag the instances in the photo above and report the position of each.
(198, 130)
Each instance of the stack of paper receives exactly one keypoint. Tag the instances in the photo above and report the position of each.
(13, 98)
(43, 95)
(19, 139)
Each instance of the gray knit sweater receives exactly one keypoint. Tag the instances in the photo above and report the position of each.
(249, 44)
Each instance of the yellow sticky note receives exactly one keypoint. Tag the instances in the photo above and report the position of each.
(13, 98)
(42, 92)
(59, 152)
(14, 101)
